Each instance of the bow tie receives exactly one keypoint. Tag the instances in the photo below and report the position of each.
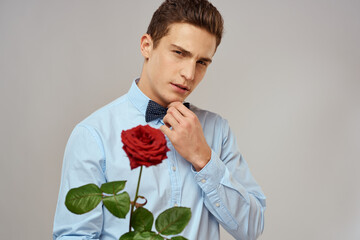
(155, 111)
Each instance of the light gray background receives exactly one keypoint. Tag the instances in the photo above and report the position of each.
(286, 76)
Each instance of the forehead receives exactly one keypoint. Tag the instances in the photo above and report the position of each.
(191, 38)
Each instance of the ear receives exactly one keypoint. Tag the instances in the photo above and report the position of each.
(146, 46)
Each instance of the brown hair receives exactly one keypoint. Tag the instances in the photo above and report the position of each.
(200, 13)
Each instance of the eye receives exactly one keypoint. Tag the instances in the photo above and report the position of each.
(202, 63)
(177, 52)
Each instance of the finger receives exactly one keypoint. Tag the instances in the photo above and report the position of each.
(181, 108)
(170, 121)
(176, 114)
(166, 130)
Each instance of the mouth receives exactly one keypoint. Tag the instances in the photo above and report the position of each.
(182, 87)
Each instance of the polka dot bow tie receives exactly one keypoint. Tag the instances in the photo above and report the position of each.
(155, 111)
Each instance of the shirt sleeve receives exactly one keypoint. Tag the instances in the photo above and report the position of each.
(84, 162)
(230, 192)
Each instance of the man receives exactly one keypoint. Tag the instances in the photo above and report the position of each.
(204, 170)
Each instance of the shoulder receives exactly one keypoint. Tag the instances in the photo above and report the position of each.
(105, 114)
(209, 118)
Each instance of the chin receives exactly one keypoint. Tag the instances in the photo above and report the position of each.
(175, 98)
(178, 100)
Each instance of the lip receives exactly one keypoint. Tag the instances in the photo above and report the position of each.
(180, 88)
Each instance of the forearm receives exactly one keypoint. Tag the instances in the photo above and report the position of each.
(238, 205)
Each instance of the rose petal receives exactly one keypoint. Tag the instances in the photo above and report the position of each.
(144, 146)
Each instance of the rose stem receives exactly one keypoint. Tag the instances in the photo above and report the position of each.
(136, 197)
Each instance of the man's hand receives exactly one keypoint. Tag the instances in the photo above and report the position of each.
(186, 135)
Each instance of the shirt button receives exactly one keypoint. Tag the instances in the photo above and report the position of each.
(174, 168)
(203, 180)
(217, 204)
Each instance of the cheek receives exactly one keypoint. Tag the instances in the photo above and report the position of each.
(157, 68)
(200, 73)
(168, 63)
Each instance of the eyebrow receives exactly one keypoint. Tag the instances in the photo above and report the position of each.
(187, 53)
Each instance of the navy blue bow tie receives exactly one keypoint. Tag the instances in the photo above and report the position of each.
(155, 111)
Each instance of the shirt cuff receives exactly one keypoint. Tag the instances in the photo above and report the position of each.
(209, 177)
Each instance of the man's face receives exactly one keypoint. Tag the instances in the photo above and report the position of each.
(177, 65)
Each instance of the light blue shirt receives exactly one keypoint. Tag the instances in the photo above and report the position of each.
(224, 191)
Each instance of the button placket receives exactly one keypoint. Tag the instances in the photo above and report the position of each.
(174, 176)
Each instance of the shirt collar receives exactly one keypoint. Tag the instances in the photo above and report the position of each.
(137, 97)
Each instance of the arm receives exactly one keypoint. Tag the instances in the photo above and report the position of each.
(230, 192)
(84, 162)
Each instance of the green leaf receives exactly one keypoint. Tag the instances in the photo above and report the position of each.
(142, 220)
(147, 236)
(118, 205)
(128, 236)
(83, 199)
(178, 238)
(173, 220)
(113, 187)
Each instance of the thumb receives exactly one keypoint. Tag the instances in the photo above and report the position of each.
(165, 130)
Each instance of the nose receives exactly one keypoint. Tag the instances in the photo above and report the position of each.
(188, 70)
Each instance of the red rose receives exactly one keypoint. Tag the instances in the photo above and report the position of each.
(144, 145)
